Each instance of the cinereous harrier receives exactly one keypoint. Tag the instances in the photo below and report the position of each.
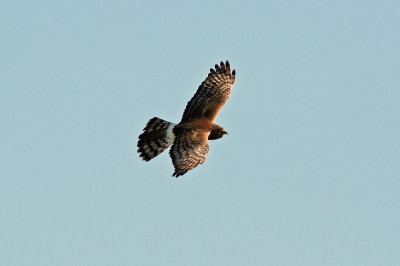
(190, 137)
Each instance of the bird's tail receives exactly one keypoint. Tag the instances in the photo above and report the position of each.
(156, 137)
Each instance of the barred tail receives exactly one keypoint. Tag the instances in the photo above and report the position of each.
(156, 137)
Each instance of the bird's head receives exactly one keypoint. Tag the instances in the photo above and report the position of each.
(217, 133)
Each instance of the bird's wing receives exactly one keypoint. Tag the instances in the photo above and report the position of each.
(211, 95)
(189, 149)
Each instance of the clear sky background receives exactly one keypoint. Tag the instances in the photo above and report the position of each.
(308, 175)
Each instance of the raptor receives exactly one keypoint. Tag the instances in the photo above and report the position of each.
(189, 138)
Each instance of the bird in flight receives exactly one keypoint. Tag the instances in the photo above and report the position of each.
(189, 138)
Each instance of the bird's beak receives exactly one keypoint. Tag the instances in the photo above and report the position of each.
(225, 132)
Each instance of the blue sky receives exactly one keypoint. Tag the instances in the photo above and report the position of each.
(308, 175)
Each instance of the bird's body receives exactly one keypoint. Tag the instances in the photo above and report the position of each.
(189, 138)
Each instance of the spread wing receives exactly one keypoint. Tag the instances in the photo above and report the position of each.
(211, 95)
(189, 149)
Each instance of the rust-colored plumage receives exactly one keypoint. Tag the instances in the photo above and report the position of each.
(190, 137)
